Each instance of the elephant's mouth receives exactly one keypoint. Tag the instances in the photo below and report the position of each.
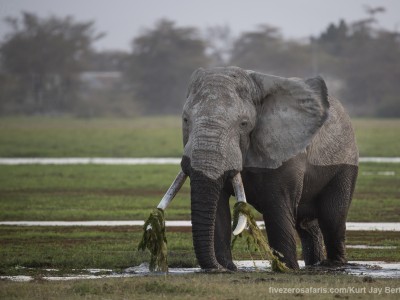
(205, 193)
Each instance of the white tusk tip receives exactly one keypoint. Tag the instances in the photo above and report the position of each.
(241, 225)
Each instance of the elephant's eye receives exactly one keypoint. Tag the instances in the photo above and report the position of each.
(243, 124)
(185, 120)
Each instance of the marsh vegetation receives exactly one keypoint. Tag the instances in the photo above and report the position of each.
(94, 192)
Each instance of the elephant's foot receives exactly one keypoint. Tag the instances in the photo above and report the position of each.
(291, 264)
(231, 266)
(227, 264)
(330, 263)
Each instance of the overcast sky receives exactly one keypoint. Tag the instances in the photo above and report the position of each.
(122, 20)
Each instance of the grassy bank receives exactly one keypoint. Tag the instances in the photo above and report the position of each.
(71, 249)
(130, 192)
(378, 137)
(70, 137)
(208, 286)
(142, 137)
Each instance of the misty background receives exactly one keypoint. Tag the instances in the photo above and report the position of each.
(125, 58)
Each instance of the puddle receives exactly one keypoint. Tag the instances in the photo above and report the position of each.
(350, 226)
(91, 161)
(19, 278)
(370, 226)
(379, 159)
(369, 247)
(380, 173)
(375, 269)
(133, 161)
(91, 223)
(143, 269)
(94, 271)
(79, 277)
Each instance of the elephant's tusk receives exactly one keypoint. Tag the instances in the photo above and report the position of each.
(240, 197)
(171, 192)
(241, 225)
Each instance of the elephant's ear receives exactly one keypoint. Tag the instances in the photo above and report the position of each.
(290, 111)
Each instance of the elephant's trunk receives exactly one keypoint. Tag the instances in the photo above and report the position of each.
(204, 198)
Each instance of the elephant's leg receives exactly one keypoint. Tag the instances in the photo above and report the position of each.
(223, 232)
(281, 233)
(311, 241)
(333, 205)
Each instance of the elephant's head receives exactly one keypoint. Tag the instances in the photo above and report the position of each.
(234, 119)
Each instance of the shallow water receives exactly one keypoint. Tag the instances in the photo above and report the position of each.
(380, 159)
(375, 269)
(351, 226)
(369, 247)
(380, 173)
(91, 160)
(133, 161)
(372, 226)
(358, 268)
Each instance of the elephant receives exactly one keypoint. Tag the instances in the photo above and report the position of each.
(282, 143)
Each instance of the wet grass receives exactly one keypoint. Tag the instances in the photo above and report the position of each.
(91, 192)
(105, 137)
(69, 248)
(130, 192)
(377, 137)
(87, 192)
(377, 196)
(207, 286)
(142, 137)
(29, 250)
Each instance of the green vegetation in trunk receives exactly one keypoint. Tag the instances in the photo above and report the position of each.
(155, 241)
(255, 239)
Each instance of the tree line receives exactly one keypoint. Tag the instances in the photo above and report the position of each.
(49, 65)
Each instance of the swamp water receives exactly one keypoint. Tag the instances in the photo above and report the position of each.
(374, 269)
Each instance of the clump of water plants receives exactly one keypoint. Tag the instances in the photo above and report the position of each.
(254, 238)
(155, 241)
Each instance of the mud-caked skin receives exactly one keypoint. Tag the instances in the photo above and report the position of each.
(295, 149)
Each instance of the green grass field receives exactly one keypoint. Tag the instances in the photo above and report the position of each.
(254, 285)
(129, 192)
(68, 137)
(378, 137)
(93, 192)
(142, 137)
(77, 248)
(29, 251)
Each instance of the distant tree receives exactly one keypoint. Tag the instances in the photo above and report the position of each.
(334, 38)
(266, 50)
(161, 63)
(367, 59)
(43, 57)
(107, 61)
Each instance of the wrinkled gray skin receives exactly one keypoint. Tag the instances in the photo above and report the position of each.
(295, 149)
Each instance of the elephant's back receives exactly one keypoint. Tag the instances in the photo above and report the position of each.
(335, 142)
